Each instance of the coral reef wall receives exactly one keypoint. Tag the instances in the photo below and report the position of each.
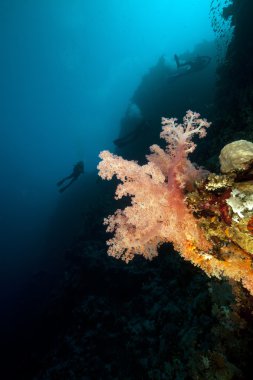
(233, 116)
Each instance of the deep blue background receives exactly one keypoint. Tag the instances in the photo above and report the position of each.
(67, 72)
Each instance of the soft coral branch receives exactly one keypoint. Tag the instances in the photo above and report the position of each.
(158, 212)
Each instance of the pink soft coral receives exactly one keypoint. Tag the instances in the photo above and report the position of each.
(158, 212)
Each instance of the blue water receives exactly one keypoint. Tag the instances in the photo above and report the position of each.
(67, 72)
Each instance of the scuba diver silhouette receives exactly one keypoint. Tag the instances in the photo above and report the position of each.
(77, 171)
(196, 64)
(133, 135)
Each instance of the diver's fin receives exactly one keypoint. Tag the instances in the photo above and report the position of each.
(177, 60)
(60, 182)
